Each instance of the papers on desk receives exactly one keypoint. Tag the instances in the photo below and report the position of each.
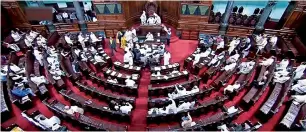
(126, 66)
(163, 67)
(137, 68)
(108, 71)
(131, 67)
(156, 68)
(117, 63)
(119, 75)
(185, 72)
(113, 73)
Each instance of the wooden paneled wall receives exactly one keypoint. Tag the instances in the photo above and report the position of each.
(294, 20)
(169, 12)
(132, 11)
(16, 14)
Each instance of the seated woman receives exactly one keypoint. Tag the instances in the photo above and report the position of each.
(187, 121)
(15, 36)
(20, 91)
(73, 109)
(93, 38)
(149, 37)
(38, 80)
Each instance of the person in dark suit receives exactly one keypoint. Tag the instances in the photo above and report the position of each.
(112, 45)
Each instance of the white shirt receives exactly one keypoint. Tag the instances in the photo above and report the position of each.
(143, 17)
(87, 7)
(68, 40)
(16, 36)
(126, 57)
(167, 57)
(246, 67)
(299, 71)
(126, 109)
(77, 109)
(200, 55)
(149, 37)
(231, 88)
(220, 45)
(299, 98)
(38, 80)
(267, 62)
(33, 34)
(283, 64)
(65, 15)
(300, 87)
(231, 110)
(129, 82)
(185, 106)
(233, 58)
(273, 40)
(98, 58)
(230, 67)
(151, 21)
(93, 37)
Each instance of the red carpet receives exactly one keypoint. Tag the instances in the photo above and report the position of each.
(180, 50)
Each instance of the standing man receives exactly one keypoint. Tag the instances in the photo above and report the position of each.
(168, 36)
(112, 45)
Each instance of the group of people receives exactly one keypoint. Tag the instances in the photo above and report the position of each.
(152, 20)
(123, 107)
(181, 91)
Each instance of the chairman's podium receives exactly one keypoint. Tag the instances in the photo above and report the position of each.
(154, 29)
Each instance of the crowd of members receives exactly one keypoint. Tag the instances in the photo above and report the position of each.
(181, 91)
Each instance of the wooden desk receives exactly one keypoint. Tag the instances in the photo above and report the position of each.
(121, 77)
(166, 68)
(85, 122)
(94, 107)
(291, 115)
(164, 90)
(211, 71)
(126, 67)
(169, 77)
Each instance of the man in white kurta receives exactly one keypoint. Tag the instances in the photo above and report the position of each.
(15, 36)
(157, 19)
(167, 57)
(200, 55)
(273, 40)
(151, 21)
(261, 44)
(94, 38)
(300, 86)
(143, 18)
(233, 45)
(299, 71)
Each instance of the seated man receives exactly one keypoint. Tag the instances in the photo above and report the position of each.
(98, 58)
(299, 71)
(283, 64)
(15, 36)
(149, 37)
(16, 69)
(232, 110)
(53, 123)
(194, 89)
(29, 38)
(232, 59)
(261, 44)
(38, 79)
(232, 88)
(129, 82)
(109, 79)
(28, 43)
(300, 86)
(200, 55)
(185, 105)
(73, 109)
(220, 42)
(94, 38)
(187, 121)
(33, 34)
(229, 67)
(233, 45)
(273, 40)
(41, 41)
(299, 99)
(20, 91)
(217, 59)
(126, 108)
(267, 62)
(179, 91)
(246, 67)
(14, 47)
(68, 39)
(171, 108)
(38, 56)
(82, 39)
(223, 128)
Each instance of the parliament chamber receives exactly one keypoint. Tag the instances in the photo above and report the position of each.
(102, 65)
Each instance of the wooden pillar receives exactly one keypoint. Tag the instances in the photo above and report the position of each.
(16, 14)
(293, 21)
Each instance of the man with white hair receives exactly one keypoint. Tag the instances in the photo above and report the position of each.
(143, 18)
